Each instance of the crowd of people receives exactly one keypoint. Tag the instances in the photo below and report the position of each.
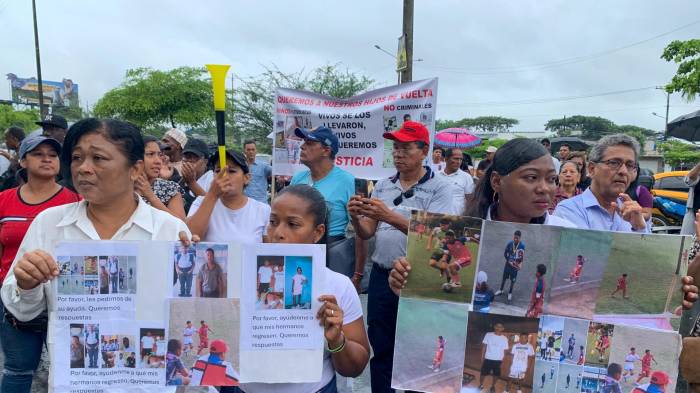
(102, 179)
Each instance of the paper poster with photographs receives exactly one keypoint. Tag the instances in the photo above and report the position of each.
(105, 355)
(96, 279)
(443, 251)
(500, 353)
(641, 284)
(281, 284)
(200, 270)
(429, 348)
(202, 346)
(606, 358)
(515, 268)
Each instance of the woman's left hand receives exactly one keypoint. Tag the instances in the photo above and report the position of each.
(185, 241)
(330, 316)
(143, 187)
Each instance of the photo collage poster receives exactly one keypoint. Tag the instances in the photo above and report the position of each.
(525, 273)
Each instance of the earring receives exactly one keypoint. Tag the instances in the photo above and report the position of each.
(495, 198)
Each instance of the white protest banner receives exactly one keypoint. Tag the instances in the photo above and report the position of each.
(358, 122)
(96, 279)
(280, 287)
(102, 355)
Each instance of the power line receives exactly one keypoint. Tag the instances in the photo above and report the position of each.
(554, 63)
(546, 100)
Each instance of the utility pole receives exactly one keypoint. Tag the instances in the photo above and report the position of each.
(407, 74)
(42, 108)
(668, 100)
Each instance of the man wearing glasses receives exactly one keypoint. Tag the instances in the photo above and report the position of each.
(386, 216)
(604, 205)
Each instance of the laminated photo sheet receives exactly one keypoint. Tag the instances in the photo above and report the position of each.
(191, 269)
(280, 286)
(102, 355)
(622, 278)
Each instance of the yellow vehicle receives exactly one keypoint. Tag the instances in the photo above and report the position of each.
(669, 189)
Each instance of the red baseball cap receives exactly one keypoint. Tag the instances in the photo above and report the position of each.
(659, 378)
(218, 346)
(410, 131)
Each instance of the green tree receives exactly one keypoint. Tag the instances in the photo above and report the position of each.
(591, 127)
(153, 98)
(254, 97)
(687, 79)
(678, 153)
(488, 124)
(19, 118)
(479, 152)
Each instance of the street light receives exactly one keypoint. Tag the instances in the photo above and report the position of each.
(394, 57)
(657, 115)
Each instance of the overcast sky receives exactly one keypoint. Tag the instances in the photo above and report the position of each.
(489, 56)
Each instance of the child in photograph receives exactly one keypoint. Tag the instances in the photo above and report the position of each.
(568, 380)
(537, 298)
(438, 233)
(543, 346)
(122, 275)
(77, 353)
(114, 273)
(611, 383)
(420, 229)
(147, 343)
(439, 353)
(646, 365)
(659, 382)
(581, 356)
(578, 380)
(570, 348)
(272, 301)
(602, 345)
(184, 266)
(621, 286)
(104, 281)
(522, 351)
(543, 378)
(493, 350)
(460, 256)
(629, 363)
(575, 275)
(126, 345)
(278, 279)
(212, 369)
(514, 255)
(551, 341)
(551, 372)
(298, 283)
(131, 360)
(483, 295)
(438, 259)
(187, 342)
(264, 278)
(210, 278)
(203, 333)
(160, 346)
(176, 373)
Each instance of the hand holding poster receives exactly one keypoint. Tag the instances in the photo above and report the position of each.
(358, 122)
(279, 300)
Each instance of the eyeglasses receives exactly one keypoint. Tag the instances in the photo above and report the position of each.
(616, 164)
(406, 194)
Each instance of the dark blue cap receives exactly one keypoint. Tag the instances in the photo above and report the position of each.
(324, 135)
(30, 143)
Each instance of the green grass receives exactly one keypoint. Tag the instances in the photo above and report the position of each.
(650, 263)
(592, 358)
(425, 282)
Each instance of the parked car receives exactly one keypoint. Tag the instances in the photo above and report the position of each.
(670, 198)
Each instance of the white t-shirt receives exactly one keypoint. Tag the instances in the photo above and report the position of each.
(462, 183)
(147, 342)
(265, 273)
(521, 353)
(205, 180)
(183, 259)
(297, 283)
(495, 346)
(92, 338)
(246, 225)
(340, 286)
(279, 281)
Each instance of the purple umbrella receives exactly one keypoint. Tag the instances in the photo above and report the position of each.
(459, 138)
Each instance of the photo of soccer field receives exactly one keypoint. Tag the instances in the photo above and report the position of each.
(426, 239)
(546, 376)
(579, 329)
(663, 346)
(573, 291)
(654, 265)
(418, 327)
(538, 241)
(597, 352)
(551, 328)
(569, 378)
(221, 315)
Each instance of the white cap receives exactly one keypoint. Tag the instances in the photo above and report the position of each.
(491, 149)
(481, 277)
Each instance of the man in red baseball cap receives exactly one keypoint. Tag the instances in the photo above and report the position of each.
(385, 216)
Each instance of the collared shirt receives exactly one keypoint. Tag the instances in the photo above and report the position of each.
(586, 213)
(434, 196)
(462, 184)
(257, 186)
(70, 222)
(337, 188)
